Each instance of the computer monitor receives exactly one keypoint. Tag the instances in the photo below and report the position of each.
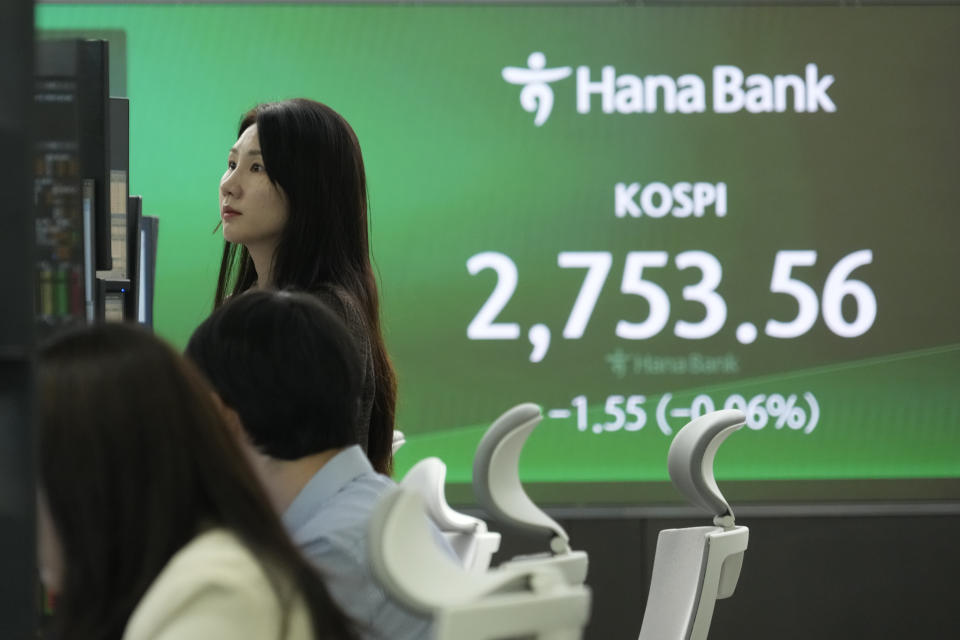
(62, 265)
(149, 233)
(93, 84)
(124, 216)
(71, 178)
(134, 215)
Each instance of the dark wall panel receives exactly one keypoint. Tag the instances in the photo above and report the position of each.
(18, 595)
(826, 577)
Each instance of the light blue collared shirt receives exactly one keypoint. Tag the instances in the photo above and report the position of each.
(328, 520)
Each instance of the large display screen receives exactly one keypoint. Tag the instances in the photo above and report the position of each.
(629, 215)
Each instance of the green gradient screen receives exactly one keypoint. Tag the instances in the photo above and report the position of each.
(627, 215)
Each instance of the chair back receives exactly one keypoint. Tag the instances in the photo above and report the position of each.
(695, 566)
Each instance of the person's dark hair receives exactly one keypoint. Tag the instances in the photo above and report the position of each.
(286, 363)
(313, 155)
(135, 461)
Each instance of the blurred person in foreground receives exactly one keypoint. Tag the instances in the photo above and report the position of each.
(151, 523)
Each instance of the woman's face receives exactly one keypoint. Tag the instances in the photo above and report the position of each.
(253, 209)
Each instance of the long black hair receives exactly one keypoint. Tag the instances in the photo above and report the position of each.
(135, 461)
(313, 155)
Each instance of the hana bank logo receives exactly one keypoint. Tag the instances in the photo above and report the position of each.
(536, 95)
(724, 89)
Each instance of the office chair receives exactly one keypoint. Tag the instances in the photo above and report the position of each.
(695, 566)
(398, 441)
(507, 602)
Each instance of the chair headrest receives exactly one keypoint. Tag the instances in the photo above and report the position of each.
(690, 460)
(398, 441)
(427, 478)
(496, 476)
(408, 563)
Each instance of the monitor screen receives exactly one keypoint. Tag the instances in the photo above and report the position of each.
(71, 175)
(119, 191)
(62, 267)
(630, 215)
(147, 263)
(93, 82)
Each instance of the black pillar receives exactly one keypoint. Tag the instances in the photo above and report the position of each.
(18, 590)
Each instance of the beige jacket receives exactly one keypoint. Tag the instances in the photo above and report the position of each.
(214, 588)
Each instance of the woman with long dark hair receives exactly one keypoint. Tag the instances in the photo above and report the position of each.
(293, 204)
(152, 525)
